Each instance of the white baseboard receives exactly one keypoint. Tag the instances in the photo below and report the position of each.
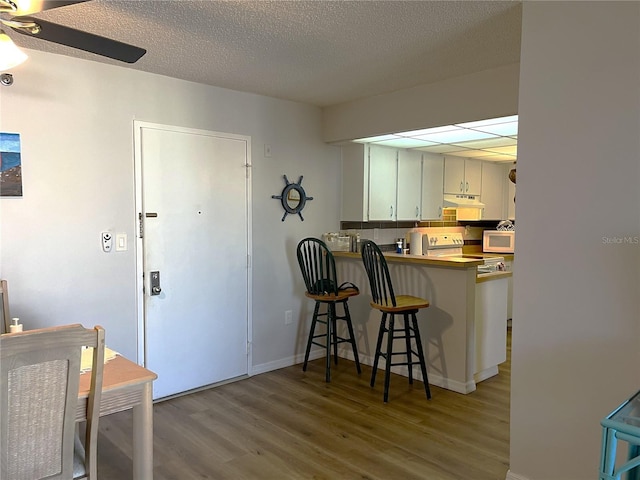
(285, 362)
(434, 379)
(486, 373)
(514, 476)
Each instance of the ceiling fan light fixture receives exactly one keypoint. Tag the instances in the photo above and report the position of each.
(8, 6)
(10, 54)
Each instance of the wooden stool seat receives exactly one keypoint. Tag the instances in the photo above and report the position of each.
(333, 297)
(403, 303)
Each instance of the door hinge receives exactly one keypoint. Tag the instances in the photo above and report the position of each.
(141, 225)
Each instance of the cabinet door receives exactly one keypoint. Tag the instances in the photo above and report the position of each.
(493, 191)
(454, 175)
(472, 177)
(409, 184)
(355, 182)
(432, 186)
(383, 178)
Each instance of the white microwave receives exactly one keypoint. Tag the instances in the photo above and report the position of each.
(498, 241)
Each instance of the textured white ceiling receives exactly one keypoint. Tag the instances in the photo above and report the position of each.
(318, 52)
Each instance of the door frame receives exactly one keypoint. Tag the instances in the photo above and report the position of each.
(138, 126)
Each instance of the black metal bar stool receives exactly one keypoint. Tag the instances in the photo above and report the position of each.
(390, 304)
(319, 272)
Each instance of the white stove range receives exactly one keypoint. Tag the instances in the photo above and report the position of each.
(450, 245)
(442, 244)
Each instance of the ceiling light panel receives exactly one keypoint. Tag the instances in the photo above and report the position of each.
(494, 139)
(404, 143)
(510, 128)
(456, 136)
(379, 138)
(489, 121)
(428, 131)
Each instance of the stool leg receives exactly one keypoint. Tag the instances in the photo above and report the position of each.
(387, 373)
(334, 332)
(347, 317)
(311, 331)
(330, 323)
(376, 356)
(423, 365)
(407, 338)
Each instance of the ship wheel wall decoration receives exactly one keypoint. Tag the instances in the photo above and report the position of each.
(293, 198)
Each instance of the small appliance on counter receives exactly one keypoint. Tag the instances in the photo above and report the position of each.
(498, 241)
(342, 242)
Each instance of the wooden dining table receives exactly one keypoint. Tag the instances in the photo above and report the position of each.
(126, 385)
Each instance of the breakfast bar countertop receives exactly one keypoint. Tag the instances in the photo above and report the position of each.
(470, 261)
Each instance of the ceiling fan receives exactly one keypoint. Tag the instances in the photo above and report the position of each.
(21, 22)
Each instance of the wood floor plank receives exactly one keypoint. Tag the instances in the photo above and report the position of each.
(290, 424)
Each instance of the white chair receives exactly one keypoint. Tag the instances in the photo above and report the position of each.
(39, 379)
(4, 305)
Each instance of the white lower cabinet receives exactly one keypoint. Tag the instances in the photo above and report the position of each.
(490, 327)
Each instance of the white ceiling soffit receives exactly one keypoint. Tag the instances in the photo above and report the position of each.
(317, 52)
(494, 139)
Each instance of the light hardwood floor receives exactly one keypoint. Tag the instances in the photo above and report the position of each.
(288, 424)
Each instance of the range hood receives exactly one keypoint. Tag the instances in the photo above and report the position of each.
(462, 201)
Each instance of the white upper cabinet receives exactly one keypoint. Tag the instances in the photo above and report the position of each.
(409, 193)
(473, 176)
(383, 179)
(432, 186)
(493, 191)
(454, 175)
(355, 182)
(462, 176)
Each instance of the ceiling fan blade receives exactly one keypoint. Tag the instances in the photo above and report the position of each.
(29, 7)
(88, 42)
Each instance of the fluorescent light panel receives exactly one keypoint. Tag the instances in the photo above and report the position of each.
(490, 139)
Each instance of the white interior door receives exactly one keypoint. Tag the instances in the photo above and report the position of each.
(193, 195)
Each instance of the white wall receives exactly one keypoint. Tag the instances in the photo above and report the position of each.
(477, 96)
(75, 119)
(576, 319)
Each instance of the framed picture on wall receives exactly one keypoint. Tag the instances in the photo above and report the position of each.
(10, 165)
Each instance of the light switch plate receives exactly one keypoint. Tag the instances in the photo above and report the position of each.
(121, 242)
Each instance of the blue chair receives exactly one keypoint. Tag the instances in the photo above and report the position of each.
(621, 424)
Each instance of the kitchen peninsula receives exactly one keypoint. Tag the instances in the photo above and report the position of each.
(463, 330)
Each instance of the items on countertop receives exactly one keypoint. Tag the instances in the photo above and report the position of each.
(15, 326)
